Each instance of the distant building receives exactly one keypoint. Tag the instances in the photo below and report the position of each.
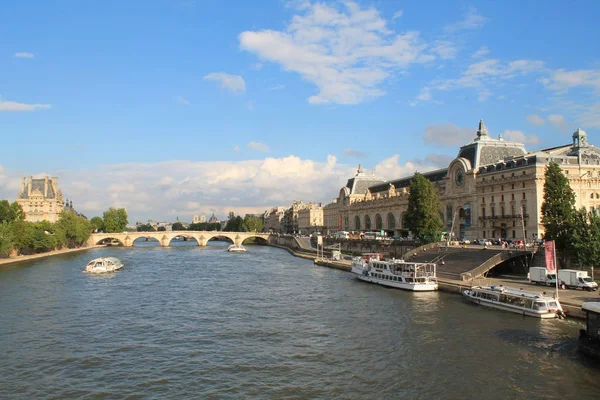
(310, 218)
(199, 219)
(275, 221)
(41, 199)
(213, 219)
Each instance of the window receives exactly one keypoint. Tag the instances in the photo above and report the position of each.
(492, 199)
(502, 197)
(502, 186)
(512, 186)
(483, 234)
(524, 196)
(524, 172)
(513, 233)
(483, 212)
(523, 184)
(503, 211)
(512, 196)
(513, 227)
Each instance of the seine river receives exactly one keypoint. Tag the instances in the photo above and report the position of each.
(192, 322)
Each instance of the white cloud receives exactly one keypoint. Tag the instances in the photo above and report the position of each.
(234, 83)
(562, 80)
(536, 119)
(520, 137)
(347, 54)
(277, 87)
(448, 135)
(263, 148)
(472, 20)
(24, 55)
(483, 74)
(391, 168)
(556, 120)
(445, 49)
(397, 15)
(482, 52)
(14, 106)
(182, 100)
(236, 148)
(354, 153)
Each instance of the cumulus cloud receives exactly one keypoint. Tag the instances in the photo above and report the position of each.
(263, 148)
(471, 20)
(556, 120)
(481, 52)
(345, 51)
(536, 119)
(233, 83)
(354, 153)
(397, 15)
(520, 137)
(14, 106)
(391, 168)
(165, 190)
(447, 135)
(562, 80)
(24, 55)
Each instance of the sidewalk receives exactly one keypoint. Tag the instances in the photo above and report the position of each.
(18, 259)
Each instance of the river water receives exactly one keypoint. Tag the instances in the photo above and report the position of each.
(193, 322)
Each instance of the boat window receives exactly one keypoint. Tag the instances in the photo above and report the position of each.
(539, 306)
(552, 305)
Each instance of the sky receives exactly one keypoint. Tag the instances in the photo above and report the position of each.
(175, 108)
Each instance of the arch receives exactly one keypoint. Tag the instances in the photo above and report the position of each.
(219, 236)
(255, 240)
(186, 238)
(391, 222)
(378, 222)
(109, 241)
(357, 223)
(367, 223)
(146, 239)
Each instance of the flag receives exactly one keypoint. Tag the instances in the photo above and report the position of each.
(550, 266)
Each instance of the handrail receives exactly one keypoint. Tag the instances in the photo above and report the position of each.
(490, 263)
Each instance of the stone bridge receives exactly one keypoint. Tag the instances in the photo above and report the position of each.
(165, 237)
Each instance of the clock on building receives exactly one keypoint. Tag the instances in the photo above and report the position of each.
(459, 177)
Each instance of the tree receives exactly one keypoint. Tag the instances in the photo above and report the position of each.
(178, 226)
(235, 224)
(204, 226)
(6, 238)
(145, 228)
(71, 229)
(161, 229)
(10, 212)
(423, 215)
(115, 220)
(585, 237)
(253, 223)
(97, 224)
(558, 209)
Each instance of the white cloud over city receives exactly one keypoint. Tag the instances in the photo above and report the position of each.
(232, 83)
(16, 106)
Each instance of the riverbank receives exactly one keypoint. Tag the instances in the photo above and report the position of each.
(20, 259)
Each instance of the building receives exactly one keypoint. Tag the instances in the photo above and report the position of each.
(492, 189)
(310, 218)
(213, 219)
(199, 219)
(275, 221)
(41, 199)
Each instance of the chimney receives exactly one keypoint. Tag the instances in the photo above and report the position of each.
(45, 186)
(23, 183)
(29, 186)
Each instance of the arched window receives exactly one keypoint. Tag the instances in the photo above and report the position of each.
(367, 223)
(357, 223)
(391, 222)
(378, 222)
(592, 196)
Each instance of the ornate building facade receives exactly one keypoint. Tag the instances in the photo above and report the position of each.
(492, 189)
(41, 199)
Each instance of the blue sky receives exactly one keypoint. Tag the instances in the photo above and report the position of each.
(174, 108)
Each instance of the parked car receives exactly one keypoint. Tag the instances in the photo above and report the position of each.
(465, 241)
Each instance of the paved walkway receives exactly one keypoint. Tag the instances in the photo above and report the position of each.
(18, 259)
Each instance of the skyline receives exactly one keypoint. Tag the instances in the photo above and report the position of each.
(281, 102)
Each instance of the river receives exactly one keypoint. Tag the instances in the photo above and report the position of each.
(199, 322)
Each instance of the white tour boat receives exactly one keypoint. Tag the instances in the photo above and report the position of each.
(103, 265)
(236, 249)
(394, 273)
(515, 300)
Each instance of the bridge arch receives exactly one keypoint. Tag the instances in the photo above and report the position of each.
(109, 240)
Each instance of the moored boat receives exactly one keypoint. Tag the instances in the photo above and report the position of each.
(589, 338)
(515, 300)
(236, 249)
(394, 273)
(103, 265)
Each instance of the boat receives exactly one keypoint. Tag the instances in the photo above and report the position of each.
(236, 249)
(396, 273)
(589, 338)
(103, 265)
(515, 300)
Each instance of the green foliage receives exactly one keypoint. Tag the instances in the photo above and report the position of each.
(72, 230)
(558, 208)
(253, 224)
(115, 220)
(423, 215)
(145, 228)
(585, 237)
(10, 212)
(235, 224)
(161, 229)
(6, 238)
(97, 224)
(204, 226)
(178, 226)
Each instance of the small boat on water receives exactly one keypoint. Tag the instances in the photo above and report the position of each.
(236, 249)
(418, 277)
(515, 300)
(589, 338)
(103, 265)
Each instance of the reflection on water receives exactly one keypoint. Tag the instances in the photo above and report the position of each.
(200, 322)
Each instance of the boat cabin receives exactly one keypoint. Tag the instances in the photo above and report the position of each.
(589, 338)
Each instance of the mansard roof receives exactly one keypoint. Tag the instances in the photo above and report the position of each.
(432, 176)
(38, 184)
(361, 182)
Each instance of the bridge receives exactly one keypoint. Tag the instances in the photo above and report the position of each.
(165, 237)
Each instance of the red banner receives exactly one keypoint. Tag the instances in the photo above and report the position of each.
(340, 222)
(550, 255)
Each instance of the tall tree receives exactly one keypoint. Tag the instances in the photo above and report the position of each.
(253, 223)
(115, 220)
(558, 209)
(178, 226)
(6, 238)
(74, 229)
(97, 224)
(585, 237)
(423, 214)
(10, 212)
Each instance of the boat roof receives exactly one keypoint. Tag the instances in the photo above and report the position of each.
(515, 292)
(111, 259)
(593, 306)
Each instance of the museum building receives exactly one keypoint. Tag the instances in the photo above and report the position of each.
(493, 189)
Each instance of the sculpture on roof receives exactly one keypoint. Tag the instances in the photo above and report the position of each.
(482, 131)
(580, 138)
